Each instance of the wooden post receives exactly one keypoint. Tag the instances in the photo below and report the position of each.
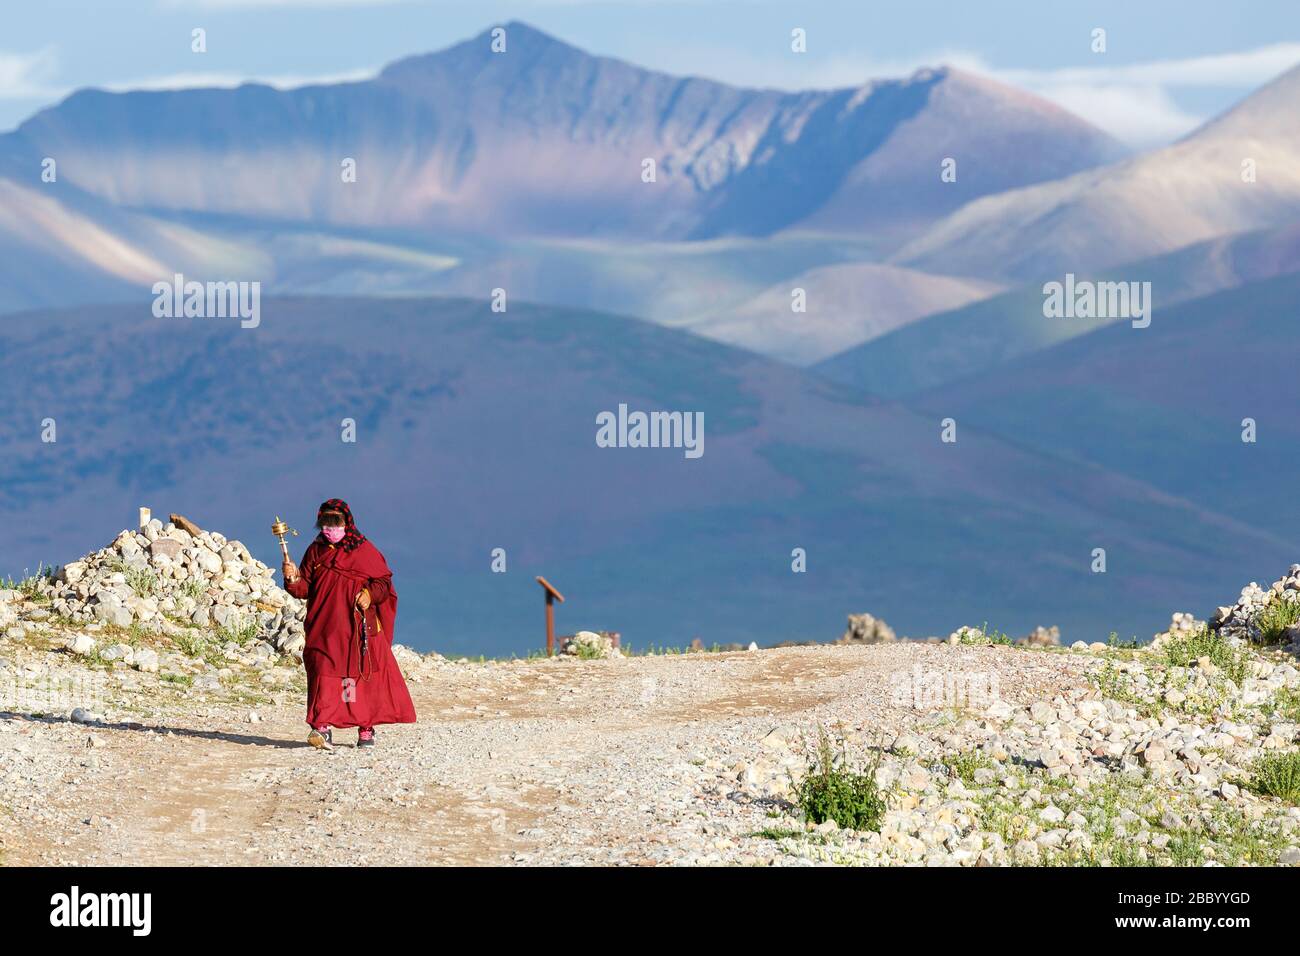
(550, 625)
(552, 596)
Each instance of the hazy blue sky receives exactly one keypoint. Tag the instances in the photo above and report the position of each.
(1169, 63)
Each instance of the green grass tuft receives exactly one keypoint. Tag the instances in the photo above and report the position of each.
(1276, 617)
(29, 585)
(832, 791)
(192, 589)
(964, 764)
(1185, 650)
(1278, 775)
(142, 581)
(240, 629)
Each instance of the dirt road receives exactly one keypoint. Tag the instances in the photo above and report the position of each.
(639, 761)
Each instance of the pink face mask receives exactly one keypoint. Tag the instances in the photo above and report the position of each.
(333, 533)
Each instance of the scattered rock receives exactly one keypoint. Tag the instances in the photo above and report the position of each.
(1041, 637)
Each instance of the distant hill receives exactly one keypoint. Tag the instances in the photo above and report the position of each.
(476, 430)
(844, 305)
(68, 247)
(1137, 208)
(1000, 138)
(1165, 404)
(986, 337)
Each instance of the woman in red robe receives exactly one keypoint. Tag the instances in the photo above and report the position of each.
(352, 678)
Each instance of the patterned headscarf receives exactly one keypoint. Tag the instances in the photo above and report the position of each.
(352, 538)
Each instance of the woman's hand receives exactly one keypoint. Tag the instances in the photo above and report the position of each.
(290, 572)
(363, 599)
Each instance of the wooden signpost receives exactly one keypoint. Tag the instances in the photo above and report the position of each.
(552, 596)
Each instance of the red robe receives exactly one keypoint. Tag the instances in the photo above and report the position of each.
(343, 689)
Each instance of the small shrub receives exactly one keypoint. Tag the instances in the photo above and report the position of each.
(193, 589)
(963, 765)
(1115, 644)
(191, 644)
(142, 581)
(1114, 683)
(983, 636)
(779, 833)
(831, 792)
(1184, 650)
(1278, 775)
(241, 630)
(29, 586)
(1276, 617)
(1186, 849)
(1286, 705)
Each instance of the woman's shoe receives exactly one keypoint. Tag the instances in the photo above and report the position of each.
(366, 737)
(321, 739)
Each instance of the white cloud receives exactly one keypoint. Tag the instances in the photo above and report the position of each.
(25, 76)
(1240, 69)
(1135, 102)
(1137, 115)
(185, 81)
(246, 4)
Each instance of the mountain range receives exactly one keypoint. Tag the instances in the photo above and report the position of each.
(546, 140)
(798, 271)
(472, 167)
(984, 337)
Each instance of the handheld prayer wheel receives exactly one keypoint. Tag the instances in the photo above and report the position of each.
(280, 529)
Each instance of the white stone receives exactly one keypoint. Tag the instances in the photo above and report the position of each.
(82, 645)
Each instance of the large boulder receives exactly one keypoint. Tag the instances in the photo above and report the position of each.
(865, 629)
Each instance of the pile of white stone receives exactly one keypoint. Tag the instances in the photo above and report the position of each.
(590, 644)
(1240, 621)
(163, 575)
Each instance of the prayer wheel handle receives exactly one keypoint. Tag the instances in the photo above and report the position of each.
(280, 529)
